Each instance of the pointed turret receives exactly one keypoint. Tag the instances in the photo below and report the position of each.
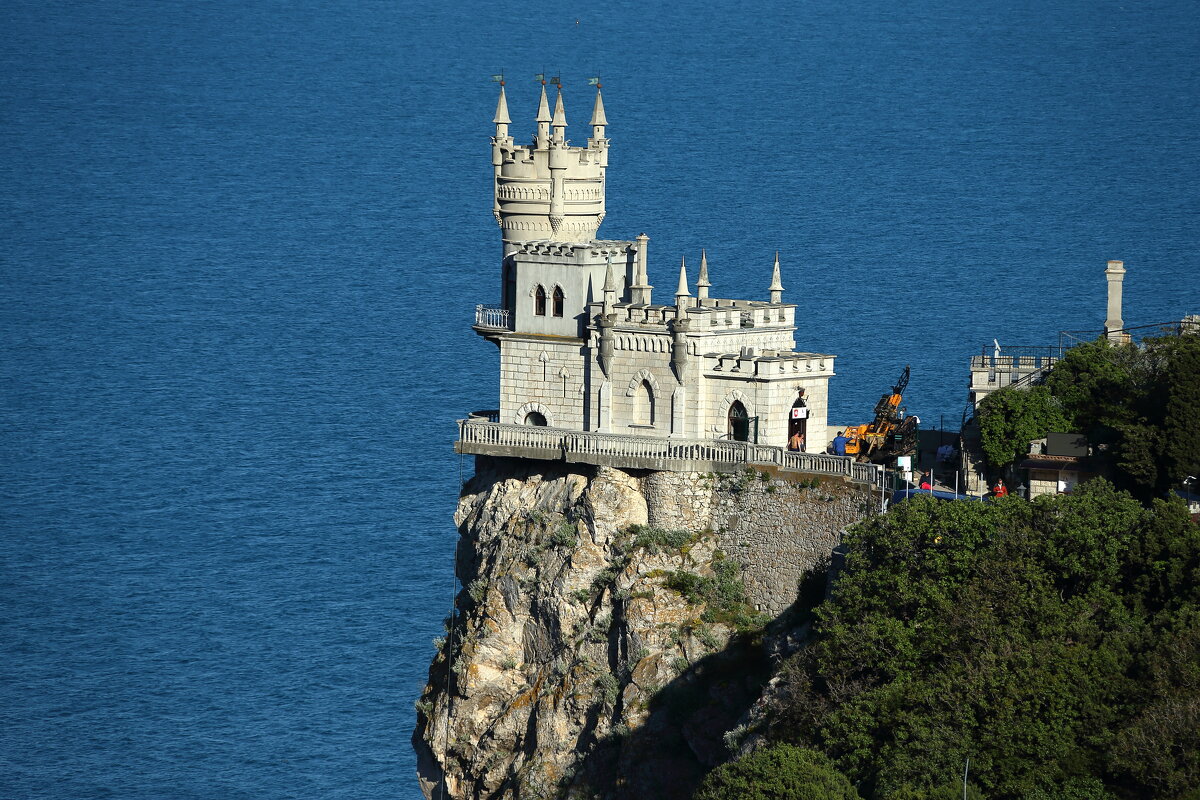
(682, 294)
(702, 283)
(776, 287)
(597, 143)
(610, 288)
(598, 119)
(558, 125)
(501, 119)
(543, 120)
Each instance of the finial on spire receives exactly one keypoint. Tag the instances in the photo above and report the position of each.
(776, 287)
(702, 283)
(681, 291)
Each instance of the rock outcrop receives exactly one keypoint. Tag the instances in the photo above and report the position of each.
(609, 636)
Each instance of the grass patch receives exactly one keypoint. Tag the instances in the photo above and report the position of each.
(723, 595)
(655, 540)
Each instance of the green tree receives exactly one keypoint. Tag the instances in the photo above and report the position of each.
(947, 791)
(1094, 383)
(779, 772)
(1181, 411)
(1049, 641)
(1009, 419)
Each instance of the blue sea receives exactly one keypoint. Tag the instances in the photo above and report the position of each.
(241, 247)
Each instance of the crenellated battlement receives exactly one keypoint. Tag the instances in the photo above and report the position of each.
(548, 189)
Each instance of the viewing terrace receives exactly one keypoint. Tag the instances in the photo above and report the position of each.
(481, 434)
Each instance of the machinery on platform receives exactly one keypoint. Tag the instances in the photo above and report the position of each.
(890, 434)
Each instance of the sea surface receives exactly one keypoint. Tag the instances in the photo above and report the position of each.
(240, 248)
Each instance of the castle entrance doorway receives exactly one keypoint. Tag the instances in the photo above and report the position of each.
(798, 426)
(739, 422)
(535, 418)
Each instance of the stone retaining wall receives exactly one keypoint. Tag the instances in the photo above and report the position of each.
(777, 525)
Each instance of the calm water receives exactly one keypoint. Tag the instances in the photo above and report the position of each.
(241, 247)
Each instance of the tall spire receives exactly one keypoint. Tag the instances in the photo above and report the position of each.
(598, 120)
(559, 123)
(501, 119)
(776, 287)
(681, 291)
(610, 283)
(543, 120)
(702, 283)
(610, 288)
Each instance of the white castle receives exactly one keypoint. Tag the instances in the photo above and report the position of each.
(583, 346)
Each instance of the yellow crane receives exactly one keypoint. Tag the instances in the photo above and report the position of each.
(877, 438)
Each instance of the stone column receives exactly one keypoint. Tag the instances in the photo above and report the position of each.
(1113, 325)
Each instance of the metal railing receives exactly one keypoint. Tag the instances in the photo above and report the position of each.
(492, 316)
(479, 436)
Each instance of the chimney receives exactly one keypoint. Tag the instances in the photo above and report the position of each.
(1113, 326)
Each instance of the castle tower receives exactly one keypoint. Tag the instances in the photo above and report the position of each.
(549, 190)
(584, 347)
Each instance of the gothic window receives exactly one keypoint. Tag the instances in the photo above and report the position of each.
(539, 302)
(558, 301)
(643, 404)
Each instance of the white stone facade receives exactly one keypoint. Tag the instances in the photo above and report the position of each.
(583, 346)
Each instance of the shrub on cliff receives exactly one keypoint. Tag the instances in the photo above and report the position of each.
(780, 772)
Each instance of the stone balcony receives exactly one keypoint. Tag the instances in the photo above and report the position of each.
(493, 317)
(479, 435)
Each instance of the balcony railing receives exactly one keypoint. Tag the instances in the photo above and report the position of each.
(496, 317)
(479, 436)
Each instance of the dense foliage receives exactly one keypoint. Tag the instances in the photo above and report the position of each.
(1010, 419)
(780, 772)
(1140, 404)
(1055, 643)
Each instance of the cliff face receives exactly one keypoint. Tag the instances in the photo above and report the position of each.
(609, 634)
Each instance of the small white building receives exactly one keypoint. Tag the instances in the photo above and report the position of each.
(583, 345)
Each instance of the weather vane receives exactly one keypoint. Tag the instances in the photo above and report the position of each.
(499, 78)
(595, 81)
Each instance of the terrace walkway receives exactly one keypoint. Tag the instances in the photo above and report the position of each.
(481, 436)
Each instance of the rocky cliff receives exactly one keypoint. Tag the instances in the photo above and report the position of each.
(614, 627)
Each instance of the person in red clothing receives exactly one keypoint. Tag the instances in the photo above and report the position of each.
(1000, 490)
(926, 482)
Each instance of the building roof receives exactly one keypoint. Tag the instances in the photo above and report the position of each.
(1057, 463)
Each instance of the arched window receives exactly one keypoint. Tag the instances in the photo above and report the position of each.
(539, 301)
(643, 404)
(535, 418)
(558, 301)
